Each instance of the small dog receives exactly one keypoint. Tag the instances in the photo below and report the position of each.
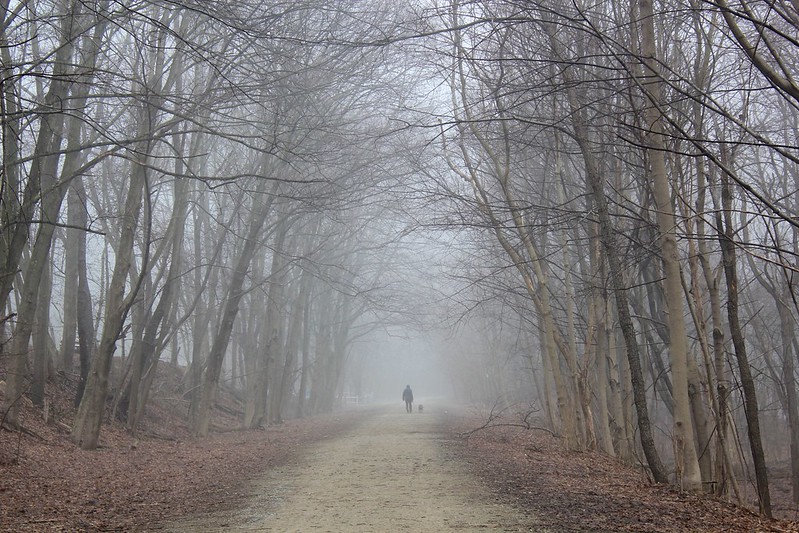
(421, 408)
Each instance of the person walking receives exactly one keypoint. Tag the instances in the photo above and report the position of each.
(407, 397)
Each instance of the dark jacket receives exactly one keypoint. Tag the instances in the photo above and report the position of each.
(407, 395)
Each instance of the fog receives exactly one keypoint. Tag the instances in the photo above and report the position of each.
(385, 363)
(304, 202)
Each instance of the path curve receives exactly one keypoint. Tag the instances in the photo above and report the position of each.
(394, 472)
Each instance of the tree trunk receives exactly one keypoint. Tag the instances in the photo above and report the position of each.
(751, 410)
(608, 240)
(85, 320)
(41, 181)
(306, 358)
(41, 346)
(71, 258)
(251, 356)
(285, 384)
(787, 335)
(602, 383)
(202, 421)
(11, 211)
(152, 341)
(530, 266)
(688, 473)
(88, 420)
(623, 439)
(628, 330)
(276, 321)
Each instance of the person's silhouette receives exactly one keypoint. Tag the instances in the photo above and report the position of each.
(407, 397)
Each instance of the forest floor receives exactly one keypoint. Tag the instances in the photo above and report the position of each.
(360, 469)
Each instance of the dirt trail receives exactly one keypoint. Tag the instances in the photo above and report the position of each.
(394, 472)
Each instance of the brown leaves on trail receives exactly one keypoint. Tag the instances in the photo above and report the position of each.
(47, 484)
(570, 491)
(50, 485)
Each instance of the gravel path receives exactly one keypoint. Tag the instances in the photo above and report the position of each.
(394, 472)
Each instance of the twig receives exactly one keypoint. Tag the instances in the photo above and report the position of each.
(151, 435)
(496, 414)
(13, 426)
(469, 433)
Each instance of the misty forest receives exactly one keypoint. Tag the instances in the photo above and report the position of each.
(581, 216)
